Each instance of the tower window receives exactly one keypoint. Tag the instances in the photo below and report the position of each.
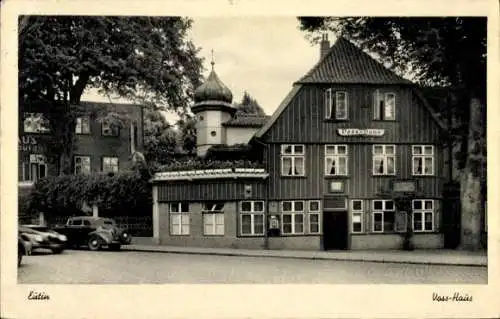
(213, 133)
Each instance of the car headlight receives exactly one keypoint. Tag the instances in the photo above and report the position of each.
(125, 235)
(62, 238)
(37, 237)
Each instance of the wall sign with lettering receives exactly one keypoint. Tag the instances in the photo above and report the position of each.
(28, 143)
(404, 187)
(360, 132)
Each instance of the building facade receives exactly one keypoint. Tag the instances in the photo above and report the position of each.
(351, 159)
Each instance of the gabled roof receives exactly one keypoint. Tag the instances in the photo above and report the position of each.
(346, 63)
(247, 121)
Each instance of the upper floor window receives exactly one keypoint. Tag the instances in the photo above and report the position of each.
(252, 218)
(336, 106)
(384, 106)
(82, 164)
(384, 159)
(110, 164)
(82, 125)
(292, 160)
(335, 160)
(108, 129)
(34, 169)
(423, 160)
(36, 123)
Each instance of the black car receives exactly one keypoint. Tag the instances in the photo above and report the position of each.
(94, 232)
(44, 238)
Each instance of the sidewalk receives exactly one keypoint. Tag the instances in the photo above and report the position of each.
(428, 257)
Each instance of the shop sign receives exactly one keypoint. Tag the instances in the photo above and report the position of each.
(404, 187)
(360, 132)
(28, 144)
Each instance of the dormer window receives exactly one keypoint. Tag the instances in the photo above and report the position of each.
(336, 105)
(384, 106)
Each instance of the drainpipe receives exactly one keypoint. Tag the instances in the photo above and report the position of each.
(268, 186)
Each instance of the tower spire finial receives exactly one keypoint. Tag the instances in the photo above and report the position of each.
(213, 62)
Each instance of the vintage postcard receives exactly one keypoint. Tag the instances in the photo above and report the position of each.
(248, 159)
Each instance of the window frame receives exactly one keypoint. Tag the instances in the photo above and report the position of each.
(252, 212)
(423, 211)
(376, 105)
(360, 212)
(81, 126)
(43, 126)
(382, 212)
(81, 157)
(312, 212)
(103, 164)
(385, 157)
(337, 94)
(105, 126)
(40, 161)
(422, 156)
(336, 156)
(331, 108)
(212, 213)
(293, 214)
(181, 213)
(293, 156)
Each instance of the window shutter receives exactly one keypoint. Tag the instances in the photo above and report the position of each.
(328, 103)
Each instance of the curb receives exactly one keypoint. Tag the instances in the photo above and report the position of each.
(241, 254)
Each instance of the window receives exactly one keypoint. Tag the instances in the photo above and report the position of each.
(82, 125)
(357, 215)
(338, 106)
(179, 219)
(252, 218)
(82, 164)
(383, 216)
(36, 123)
(108, 129)
(34, 169)
(423, 160)
(292, 217)
(335, 160)
(384, 158)
(384, 106)
(292, 160)
(314, 216)
(423, 215)
(110, 164)
(213, 219)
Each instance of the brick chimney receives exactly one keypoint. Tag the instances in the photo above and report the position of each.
(324, 46)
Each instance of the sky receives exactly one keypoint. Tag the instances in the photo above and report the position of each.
(260, 55)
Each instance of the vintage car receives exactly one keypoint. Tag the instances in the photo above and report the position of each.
(94, 232)
(23, 247)
(43, 238)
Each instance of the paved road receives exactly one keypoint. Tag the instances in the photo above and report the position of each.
(127, 267)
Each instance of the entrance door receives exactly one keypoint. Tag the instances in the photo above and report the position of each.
(335, 230)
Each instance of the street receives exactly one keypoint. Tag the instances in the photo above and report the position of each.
(129, 267)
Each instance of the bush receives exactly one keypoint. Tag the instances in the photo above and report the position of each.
(200, 163)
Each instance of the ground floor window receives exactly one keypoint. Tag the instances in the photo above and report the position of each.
(383, 216)
(179, 219)
(357, 216)
(292, 217)
(213, 219)
(34, 169)
(423, 215)
(252, 218)
(314, 216)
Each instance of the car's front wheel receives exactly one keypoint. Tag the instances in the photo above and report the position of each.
(94, 243)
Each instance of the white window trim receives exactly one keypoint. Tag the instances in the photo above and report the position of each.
(311, 212)
(423, 156)
(82, 157)
(105, 126)
(293, 156)
(293, 212)
(386, 95)
(337, 94)
(252, 214)
(328, 103)
(79, 126)
(423, 211)
(382, 212)
(385, 156)
(104, 158)
(376, 97)
(39, 160)
(181, 214)
(336, 156)
(40, 129)
(358, 211)
(212, 213)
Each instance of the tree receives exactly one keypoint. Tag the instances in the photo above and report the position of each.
(449, 52)
(145, 59)
(249, 106)
(160, 138)
(187, 133)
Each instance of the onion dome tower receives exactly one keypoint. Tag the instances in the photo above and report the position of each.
(212, 107)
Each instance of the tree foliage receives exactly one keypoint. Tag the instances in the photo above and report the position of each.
(160, 138)
(249, 106)
(187, 133)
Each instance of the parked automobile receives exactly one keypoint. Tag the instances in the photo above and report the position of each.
(23, 247)
(94, 232)
(44, 238)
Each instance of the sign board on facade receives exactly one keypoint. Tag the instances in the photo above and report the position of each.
(336, 186)
(360, 132)
(28, 144)
(404, 186)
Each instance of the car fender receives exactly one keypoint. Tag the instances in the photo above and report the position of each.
(105, 237)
